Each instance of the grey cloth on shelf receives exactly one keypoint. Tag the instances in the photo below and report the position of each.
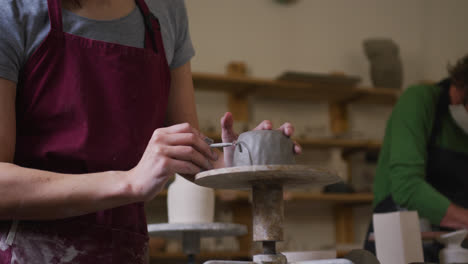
(386, 67)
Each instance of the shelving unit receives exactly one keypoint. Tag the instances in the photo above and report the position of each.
(266, 88)
(240, 89)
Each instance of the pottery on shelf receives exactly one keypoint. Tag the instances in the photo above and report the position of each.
(386, 68)
(263, 147)
(189, 203)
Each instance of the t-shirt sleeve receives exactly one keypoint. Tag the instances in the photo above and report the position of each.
(11, 40)
(412, 121)
(183, 48)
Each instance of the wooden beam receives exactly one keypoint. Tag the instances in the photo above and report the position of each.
(242, 214)
(238, 105)
(349, 165)
(344, 224)
(338, 118)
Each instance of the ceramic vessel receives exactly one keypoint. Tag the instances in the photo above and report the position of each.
(189, 203)
(263, 147)
(453, 252)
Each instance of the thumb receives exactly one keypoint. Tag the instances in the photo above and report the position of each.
(227, 131)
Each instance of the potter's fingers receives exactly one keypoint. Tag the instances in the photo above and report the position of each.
(179, 128)
(197, 133)
(264, 125)
(191, 139)
(184, 168)
(227, 121)
(287, 129)
(189, 154)
(229, 136)
(297, 148)
(227, 132)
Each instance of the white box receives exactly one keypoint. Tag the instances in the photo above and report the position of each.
(398, 237)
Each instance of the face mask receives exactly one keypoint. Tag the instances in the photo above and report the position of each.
(460, 115)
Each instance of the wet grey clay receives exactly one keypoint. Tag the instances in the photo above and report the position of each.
(263, 147)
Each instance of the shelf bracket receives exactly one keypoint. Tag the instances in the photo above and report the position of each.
(338, 118)
(238, 103)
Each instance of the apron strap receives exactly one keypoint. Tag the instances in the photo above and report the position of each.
(149, 18)
(441, 108)
(55, 14)
(143, 7)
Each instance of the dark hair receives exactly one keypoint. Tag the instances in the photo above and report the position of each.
(459, 73)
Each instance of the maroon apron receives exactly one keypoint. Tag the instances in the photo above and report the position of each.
(87, 106)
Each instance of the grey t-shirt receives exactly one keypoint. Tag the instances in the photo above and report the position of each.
(24, 24)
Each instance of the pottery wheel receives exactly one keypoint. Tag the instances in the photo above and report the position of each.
(244, 177)
(266, 183)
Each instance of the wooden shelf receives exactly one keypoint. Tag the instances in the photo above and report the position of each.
(267, 88)
(347, 198)
(240, 89)
(346, 144)
(340, 198)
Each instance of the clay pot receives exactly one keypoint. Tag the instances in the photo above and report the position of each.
(189, 203)
(263, 147)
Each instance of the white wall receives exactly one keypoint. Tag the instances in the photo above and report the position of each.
(444, 40)
(324, 36)
(317, 36)
(321, 36)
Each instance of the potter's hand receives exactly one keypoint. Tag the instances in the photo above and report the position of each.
(228, 135)
(455, 217)
(175, 149)
(286, 128)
